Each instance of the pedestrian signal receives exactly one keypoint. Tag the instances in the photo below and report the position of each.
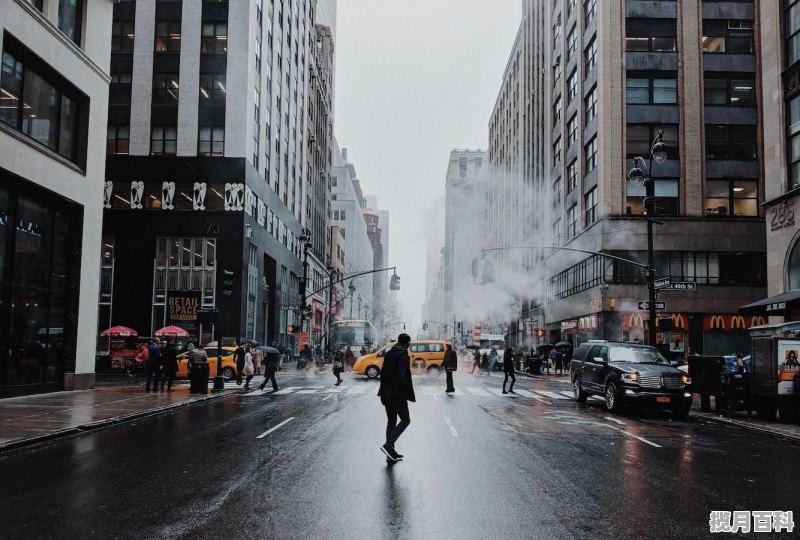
(227, 282)
(539, 333)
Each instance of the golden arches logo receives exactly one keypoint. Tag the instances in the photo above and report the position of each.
(678, 322)
(737, 322)
(717, 321)
(636, 321)
(758, 320)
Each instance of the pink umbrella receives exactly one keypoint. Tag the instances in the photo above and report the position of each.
(119, 331)
(172, 331)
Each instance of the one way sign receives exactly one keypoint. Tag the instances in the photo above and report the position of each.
(660, 306)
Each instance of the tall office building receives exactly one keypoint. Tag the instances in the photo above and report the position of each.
(217, 140)
(53, 95)
(600, 80)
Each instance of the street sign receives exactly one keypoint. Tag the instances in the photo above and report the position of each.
(685, 286)
(662, 283)
(660, 306)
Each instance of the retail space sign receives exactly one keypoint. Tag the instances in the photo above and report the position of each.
(182, 311)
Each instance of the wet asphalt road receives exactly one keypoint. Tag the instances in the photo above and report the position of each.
(476, 466)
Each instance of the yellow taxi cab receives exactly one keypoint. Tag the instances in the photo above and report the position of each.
(228, 365)
(426, 356)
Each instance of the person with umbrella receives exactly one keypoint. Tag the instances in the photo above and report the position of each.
(271, 359)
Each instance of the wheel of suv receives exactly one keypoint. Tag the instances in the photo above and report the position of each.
(577, 391)
(681, 410)
(613, 400)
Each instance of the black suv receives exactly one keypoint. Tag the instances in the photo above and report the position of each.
(629, 372)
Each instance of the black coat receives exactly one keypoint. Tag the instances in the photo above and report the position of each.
(450, 360)
(396, 375)
(271, 361)
(508, 361)
(238, 358)
(170, 358)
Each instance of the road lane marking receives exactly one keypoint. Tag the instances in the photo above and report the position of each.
(530, 395)
(329, 396)
(500, 393)
(308, 391)
(256, 393)
(335, 389)
(551, 395)
(357, 390)
(565, 393)
(628, 433)
(276, 427)
(620, 422)
(453, 431)
(288, 390)
(477, 391)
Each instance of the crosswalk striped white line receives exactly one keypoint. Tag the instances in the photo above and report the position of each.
(288, 390)
(570, 395)
(551, 395)
(477, 391)
(335, 390)
(360, 389)
(256, 393)
(501, 394)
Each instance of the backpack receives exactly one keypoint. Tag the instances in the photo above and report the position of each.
(553, 355)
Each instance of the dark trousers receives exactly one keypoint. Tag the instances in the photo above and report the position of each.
(513, 380)
(167, 377)
(449, 375)
(395, 407)
(239, 374)
(269, 375)
(153, 374)
(247, 381)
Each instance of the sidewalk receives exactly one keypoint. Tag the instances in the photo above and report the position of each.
(32, 419)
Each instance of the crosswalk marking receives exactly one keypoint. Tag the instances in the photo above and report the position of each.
(551, 395)
(500, 393)
(335, 389)
(565, 393)
(357, 389)
(307, 391)
(288, 390)
(477, 391)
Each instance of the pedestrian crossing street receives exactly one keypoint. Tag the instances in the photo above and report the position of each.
(424, 390)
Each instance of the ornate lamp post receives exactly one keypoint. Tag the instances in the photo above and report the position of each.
(643, 176)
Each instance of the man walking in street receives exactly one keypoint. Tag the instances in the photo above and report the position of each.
(153, 365)
(508, 369)
(169, 354)
(238, 359)
(270, 366)
(450, 365)
(396, 390)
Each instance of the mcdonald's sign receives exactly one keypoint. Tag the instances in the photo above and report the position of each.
(714, 322)
(729, 323)
(758, 320)
(737, 323)
(633, 320)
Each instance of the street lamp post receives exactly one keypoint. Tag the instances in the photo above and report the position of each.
(359, 306)
(639, 176)
(331, 275)
(352, 289)
(306, 241)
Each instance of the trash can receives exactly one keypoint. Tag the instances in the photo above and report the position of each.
(537, 365)
(198, 379)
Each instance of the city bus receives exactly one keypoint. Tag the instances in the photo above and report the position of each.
(355, 334)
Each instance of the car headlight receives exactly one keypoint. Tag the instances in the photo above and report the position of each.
(630, 377)
(685, 379)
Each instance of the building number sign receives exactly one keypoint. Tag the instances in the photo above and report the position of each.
(781, 216)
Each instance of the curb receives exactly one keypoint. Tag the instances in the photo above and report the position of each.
(747, 427)
(102, 424)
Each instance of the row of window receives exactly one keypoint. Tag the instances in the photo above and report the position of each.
(662, 89)
(739, 142)
(213, 37)
(660, 35)
(164, 140)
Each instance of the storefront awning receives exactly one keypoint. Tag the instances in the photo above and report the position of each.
(779, 304)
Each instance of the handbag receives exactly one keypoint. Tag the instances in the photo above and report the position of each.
(337, 364)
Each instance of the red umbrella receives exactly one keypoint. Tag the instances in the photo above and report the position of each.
(172, 331)
(119, 331)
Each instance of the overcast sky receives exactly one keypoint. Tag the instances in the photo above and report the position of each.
(415, 79)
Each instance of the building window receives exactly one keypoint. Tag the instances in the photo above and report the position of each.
(590, 207)
(589, 11)
(666, 203)
(590, 55)
(570, 7)
(590, 104)
(163, 140)
(117, 139)
(557, 31)
(168, 36)
(572, 130)
(165, 88)
(650, 35)
(572, 42)
(731, 142)
(572, 85)
(556, 232)
(706, 268)
(792, 33)
(212, 89)
(639, 140)
(557, 151)
(794, 141)
(737, 90)
(572, 221)
(656, 89)
(70, 17)
(122, 34)
(44, 111)
(572, 175)
(557, 111)
(462, 167)
(728, 36)
(214, 38)
(557, 192)
(732, 197)
(590, 153)
(211, 141)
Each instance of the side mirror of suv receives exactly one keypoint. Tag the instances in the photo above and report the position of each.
(600, 360)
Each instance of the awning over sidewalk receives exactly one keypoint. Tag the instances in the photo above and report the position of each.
(779, 304)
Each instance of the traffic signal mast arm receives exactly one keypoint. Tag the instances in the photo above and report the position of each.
(351, 276)
(606, 255)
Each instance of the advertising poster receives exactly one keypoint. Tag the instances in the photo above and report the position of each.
(788, 353)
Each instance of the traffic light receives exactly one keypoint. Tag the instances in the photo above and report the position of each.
(539, 332)
(292, 329)
(424, 326)
(488, 271)
(394, 283)
(227, 282)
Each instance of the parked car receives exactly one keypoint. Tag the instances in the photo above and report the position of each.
(629, 373)
(228, 365)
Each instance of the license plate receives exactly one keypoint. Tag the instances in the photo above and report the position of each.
(662, 399)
